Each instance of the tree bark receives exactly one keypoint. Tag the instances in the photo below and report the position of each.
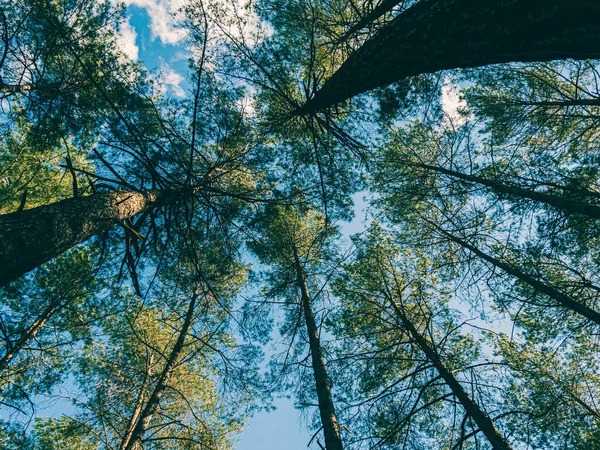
(483, 421)
(435, 35)
(331, 429)
(561, 298)
(143, 421)
(32, 237)
(557, 202)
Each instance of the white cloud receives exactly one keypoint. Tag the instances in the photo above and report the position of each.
(163, 19)
(174, 80)
(452, 103)
(126, 40)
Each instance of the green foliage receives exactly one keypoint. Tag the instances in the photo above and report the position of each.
(483, 214)
(394, 395)
(63, 295)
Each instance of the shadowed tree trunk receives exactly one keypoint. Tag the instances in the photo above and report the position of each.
(32, 237)
(435, 35)
(331, 429)
(483, 421)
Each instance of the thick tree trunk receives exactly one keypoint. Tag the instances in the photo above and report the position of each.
(143, 421)
(331, 429)
(551, 292)
(435, 35)
(569, 205)
(30, 238)
(483, 421)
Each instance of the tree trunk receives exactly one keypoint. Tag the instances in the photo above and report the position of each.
(435, 35)
(32, 237)
(136, 436)
(561, 298)
(560, 203)
(483, 421)
(331, 429)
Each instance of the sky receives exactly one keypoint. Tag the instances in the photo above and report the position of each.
(149, 35)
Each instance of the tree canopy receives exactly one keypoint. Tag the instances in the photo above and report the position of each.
(177, 251)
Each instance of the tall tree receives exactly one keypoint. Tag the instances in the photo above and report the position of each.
(153, 373)
(554, 393)
(35, 357)
(428, 183)
(382, 282)
(295, 243)
(434, 35)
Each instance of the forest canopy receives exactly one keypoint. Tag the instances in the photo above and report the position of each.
(385, 210)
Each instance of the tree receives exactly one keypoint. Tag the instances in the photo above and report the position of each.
(453, 205)
(380, 282)
(61, 68)
(32, 237)
(43, 318)
(153, 372)
(553, 390)
(295, 242)
(167, 172)
(462, 33)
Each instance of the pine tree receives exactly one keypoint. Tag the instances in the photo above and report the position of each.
(435, 35)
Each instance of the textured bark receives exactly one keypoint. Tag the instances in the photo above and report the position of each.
(30, 238)
(143, 421)
(566, 204)
(331, 429)
(435, 35)
(480, 417)
(561, 298)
